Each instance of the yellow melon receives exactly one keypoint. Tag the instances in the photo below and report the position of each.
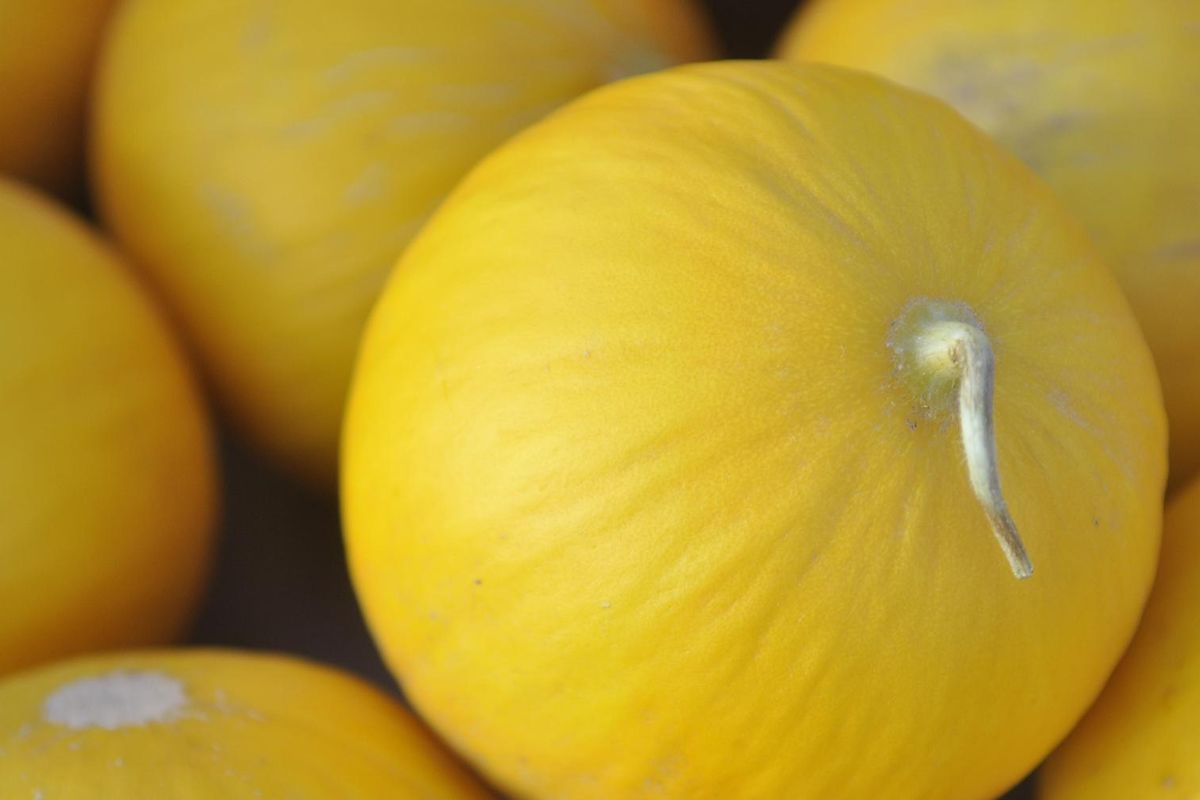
(1142, 738)
(1100, 98)
(47, 50)
(107, 475)
(267, 163)
(654, 478)
(214, 725)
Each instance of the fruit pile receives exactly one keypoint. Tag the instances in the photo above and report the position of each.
(792, 427)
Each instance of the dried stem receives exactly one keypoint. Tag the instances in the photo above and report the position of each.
(966, 350)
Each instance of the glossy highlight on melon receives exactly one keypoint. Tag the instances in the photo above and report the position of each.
(654, 478)
(267, 163)
(107, 471)
(1100, 98)
(214, 725)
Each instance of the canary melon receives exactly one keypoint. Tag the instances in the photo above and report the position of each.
(267, 163)
(1142, 738)
(1100, 98)
(753, 430)
(214, 725)
(47, 53)
(107, 473)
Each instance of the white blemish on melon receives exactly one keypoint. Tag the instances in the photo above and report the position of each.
(117, 700)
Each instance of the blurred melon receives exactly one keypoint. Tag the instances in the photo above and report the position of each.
(266, 163)
(214, 725)
(107, 476)
(47, 49)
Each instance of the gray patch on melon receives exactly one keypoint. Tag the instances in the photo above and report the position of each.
(120, 699)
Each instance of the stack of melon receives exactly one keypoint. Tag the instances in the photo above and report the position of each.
(788, 428)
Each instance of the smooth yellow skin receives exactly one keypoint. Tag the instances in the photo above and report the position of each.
(637, 504)
(242, 726)
(1142, 738)
(47, 50)
(107, 474)
(1100, 98)
(268, 162)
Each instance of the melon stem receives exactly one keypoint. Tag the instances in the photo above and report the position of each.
(964, 350)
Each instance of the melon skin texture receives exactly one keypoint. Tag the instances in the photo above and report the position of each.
(638, 504)
(1142, 737)
(1099, 97)
(47, 53)
(266, 163)
(107, 470)
(220, 724)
